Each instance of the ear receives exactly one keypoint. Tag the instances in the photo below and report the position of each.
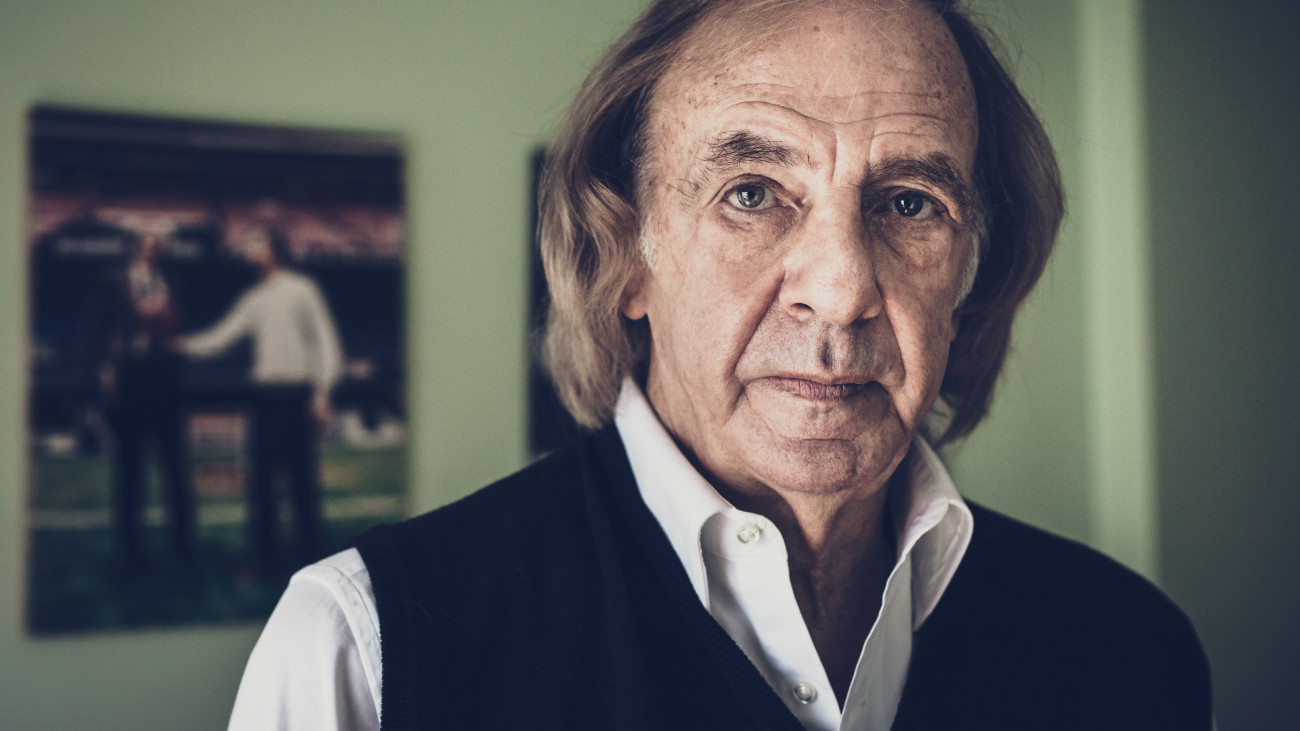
(955, 324)
(634, 304)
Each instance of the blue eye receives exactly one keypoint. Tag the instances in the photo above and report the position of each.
(914, 205)
(751, 197)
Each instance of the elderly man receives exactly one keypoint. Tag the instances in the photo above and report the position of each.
(785, 243)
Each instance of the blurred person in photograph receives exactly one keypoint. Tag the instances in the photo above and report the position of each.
(297, 360)
(139, 379)
(785, 244)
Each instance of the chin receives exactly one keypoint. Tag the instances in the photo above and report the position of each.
(826, 467)
(819, 449)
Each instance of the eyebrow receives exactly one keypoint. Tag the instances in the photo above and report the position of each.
(935, 168)
(731, 150)
(734, 149)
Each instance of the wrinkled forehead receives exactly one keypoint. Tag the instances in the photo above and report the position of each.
(843, 49)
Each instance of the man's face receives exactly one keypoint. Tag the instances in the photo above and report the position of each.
(810, 214)
(257, 250)
(148, 249)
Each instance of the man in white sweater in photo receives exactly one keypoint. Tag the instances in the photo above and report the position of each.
(297, 360)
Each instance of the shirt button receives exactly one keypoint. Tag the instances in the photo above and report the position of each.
(749, 533)
(804, 692)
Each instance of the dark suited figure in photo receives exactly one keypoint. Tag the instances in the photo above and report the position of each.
(296, 362)
(139, 371)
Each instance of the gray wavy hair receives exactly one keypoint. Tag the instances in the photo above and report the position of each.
(590, 224)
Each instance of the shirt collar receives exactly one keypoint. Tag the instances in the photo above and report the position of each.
(932, 522)
(933, 525)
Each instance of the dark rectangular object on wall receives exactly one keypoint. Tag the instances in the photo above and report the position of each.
(217, 361)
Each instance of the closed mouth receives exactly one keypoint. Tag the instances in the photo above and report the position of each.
(818, 389)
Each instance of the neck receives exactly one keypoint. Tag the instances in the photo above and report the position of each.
(841, 551)
(821, 530)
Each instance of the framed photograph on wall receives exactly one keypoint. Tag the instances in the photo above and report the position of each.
(217, 362)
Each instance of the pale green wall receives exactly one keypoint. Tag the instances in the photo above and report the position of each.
(1030, 457)
(1068, 445)
(470, 85)
(1224, 121)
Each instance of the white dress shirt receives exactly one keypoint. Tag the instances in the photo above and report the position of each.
(294, 340)
(737, 563)
(317, 664)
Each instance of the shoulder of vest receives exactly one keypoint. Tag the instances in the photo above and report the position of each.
(519, 534)
(538, 499)
(1029, 564)
(1040, 623)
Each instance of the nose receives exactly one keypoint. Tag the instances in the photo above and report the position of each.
(830, 273)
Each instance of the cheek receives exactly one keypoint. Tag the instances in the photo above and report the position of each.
(923, 322)
(705, 301)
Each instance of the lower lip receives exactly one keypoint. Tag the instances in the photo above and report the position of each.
(815, 391)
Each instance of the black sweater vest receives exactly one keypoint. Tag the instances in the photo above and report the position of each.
(553, 600)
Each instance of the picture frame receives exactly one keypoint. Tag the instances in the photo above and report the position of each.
(164, 488)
